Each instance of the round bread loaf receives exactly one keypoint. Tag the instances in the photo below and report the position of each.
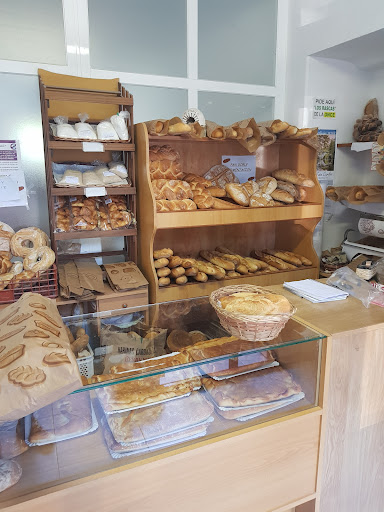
(248, 303)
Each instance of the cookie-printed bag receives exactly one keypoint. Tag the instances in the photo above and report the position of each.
(37, 365)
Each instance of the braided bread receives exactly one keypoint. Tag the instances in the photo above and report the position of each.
(178, 205)
(171, 189)
(165, 169)
(163, 153)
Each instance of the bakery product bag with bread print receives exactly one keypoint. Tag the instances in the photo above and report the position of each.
(37, 365)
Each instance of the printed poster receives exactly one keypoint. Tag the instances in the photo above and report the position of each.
(244, 166)
(12, 181)
(326, 154)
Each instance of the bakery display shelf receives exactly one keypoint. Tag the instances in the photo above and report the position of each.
(344, 145)
(89, 96)
(74, 235)
(108, 146)
(77, 191)
(169, 139)
(243, 215)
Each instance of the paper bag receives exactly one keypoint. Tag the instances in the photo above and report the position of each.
(251, 137)
(124, 276)
(72, 279)
(157, 127)
(90, 275)
(215, 131)
(177, 127)
(233, 131)
(37, 365)
(198, 131)
(267, 137)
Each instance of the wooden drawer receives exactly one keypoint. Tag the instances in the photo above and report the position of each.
(258, 471)
(131, 300)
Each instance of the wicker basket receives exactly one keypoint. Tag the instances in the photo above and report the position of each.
(249, 327)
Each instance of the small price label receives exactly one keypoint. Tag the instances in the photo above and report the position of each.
(95, 191)
(93, 147)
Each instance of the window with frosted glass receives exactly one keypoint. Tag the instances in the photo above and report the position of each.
(157, 102)
(145, 36)
(226, 108)
(32, 31)
(237, 41)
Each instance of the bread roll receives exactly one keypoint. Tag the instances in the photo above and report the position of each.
(217, 133)
(283, 196)
(207, 268)
(177, 272)
(267, 185)
(162, 253)
(237, 193)
(164, 281)
(161, 262)
(301, 194)
(191, 272)
(175, 261)
(285, 256)
(216, 191)
(201, 277)
(217, 260)
(251, 187)
(288, 187)
(187, 262)
(163, 272)
(181, 280)
(242, 269)
(293, 177)
(260, 199)
(278, 126)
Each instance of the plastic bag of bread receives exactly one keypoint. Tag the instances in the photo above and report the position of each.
(71, 178)
(85, 130)
(109, 178)
(6, 233)
(91, 179)
(119, 123)
(37, 365)
(63, 129)
(105, 131)
(62, 217)
(119, 169)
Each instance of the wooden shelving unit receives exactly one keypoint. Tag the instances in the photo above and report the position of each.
(284, 227)
(100, 104)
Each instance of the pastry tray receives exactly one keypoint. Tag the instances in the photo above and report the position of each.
(284, 403)
(145, 405)
(270, 365)
(28, 423)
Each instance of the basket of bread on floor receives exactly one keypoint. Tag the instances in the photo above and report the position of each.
(222, 263)
(251, 312)
(26, 263)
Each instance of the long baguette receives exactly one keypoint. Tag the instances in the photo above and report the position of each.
(285, 256)
(293, 177)
(305, 261)
(219, 204)
(217, 260)
(273, 261)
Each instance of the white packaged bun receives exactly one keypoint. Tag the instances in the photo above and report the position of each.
(63, 129)
(120, 124)
(105, 131)
(118, 168)
(85, 130)
(108, 177)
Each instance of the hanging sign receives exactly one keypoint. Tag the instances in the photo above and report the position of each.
(324, 108)
(12, 181)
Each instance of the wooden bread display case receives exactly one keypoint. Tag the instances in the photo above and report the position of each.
(222, 418)
(286, 227)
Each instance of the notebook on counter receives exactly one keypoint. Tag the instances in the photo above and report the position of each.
(314, 291)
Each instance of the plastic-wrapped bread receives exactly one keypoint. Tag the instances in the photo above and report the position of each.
(119, 123)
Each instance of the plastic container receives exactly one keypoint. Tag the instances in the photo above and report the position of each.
(85, 364)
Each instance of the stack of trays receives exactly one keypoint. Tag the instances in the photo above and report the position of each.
(246, 386)
(154, 412)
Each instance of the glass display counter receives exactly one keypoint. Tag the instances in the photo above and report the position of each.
(158, 377)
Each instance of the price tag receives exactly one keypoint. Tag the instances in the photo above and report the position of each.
(95, 191)
(93, 147)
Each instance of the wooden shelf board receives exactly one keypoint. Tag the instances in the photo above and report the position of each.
(106, 98)
(191, 289)
(187, 138)
(237, 216)
(74, 235)
(345, 145)
(77, 191)
(108, 146)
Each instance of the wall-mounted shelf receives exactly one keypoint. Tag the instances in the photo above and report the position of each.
(74, 235)
(79, 191)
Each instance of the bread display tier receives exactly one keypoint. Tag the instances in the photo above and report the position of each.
(168, 378)
(88, 155)
(187, 203)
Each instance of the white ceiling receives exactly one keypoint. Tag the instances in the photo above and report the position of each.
(366, 52)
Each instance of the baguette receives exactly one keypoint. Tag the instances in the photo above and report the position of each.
(242, 269)
(289, 132)
(262, 264)
(273, 261)
(217, 260)
(219, 204)
(207, 268)
(305, 261)
(230, 257)
(278, 126)
(293, 177)
(233, 273)
(285, 256)
(220, 273)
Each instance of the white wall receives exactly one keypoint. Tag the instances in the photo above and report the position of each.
(316, 25)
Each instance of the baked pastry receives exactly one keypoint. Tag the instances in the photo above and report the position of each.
(66, 418)
(203, 200)
(162, 253)
(26, 240)
(283, 196)
(261, 387)
(215, 191)
(171, 189)
(39, 259)
(273, 261)
(250, 187)
(10, 473)
(249, 303)
(164, 152)
(267, 185)
(278, 126)
(225, 368)
(237, 193)
(288, 187)
(178, 205)
(260, 199)
(220, 175)
(159, 420)
(293, 177)
(5, 265)
(6, 233)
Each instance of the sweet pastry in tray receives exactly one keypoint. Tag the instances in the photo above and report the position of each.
(156, 421)
(150, 390)
(66, 418)
(255, 388)
(153, 364)
(230, 367)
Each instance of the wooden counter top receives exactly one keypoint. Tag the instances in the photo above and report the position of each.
(334, 317)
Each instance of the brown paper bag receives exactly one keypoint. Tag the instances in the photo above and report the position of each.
(198, 131)
(90, 275)
(72, 279)
(233, 131)
(215, 131)
(177, 127)
(267, 137)
(124, 276)
(64, 290)
(157, 127)
(251, 137)
(37, 365)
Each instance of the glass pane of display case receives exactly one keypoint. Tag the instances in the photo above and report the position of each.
(157, 102)
(161, 376)
(225, 108)
(151, 30)
(234, 34)
(32, 31)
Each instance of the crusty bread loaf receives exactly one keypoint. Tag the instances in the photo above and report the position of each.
(201, 277)
(301, 194)
(293, 177)
(305, 133)
(216, 191)
(163, 272)
(285, 256)
(237, 193)
(161, 262)
(283, 196)
(190, 177)
(191, 271)
(164, 281)
(175, 261)
(288, 187)
(165, 152)
(178, 205)
(217, 260)
(260, 199)
(305, 261)
(278, 126)
(267, 185)
(251, 187)
(162, 253)
(220, 204)
(171, 189)
(273, 261)
(248, 303)
(177, 272)
(181, 280)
